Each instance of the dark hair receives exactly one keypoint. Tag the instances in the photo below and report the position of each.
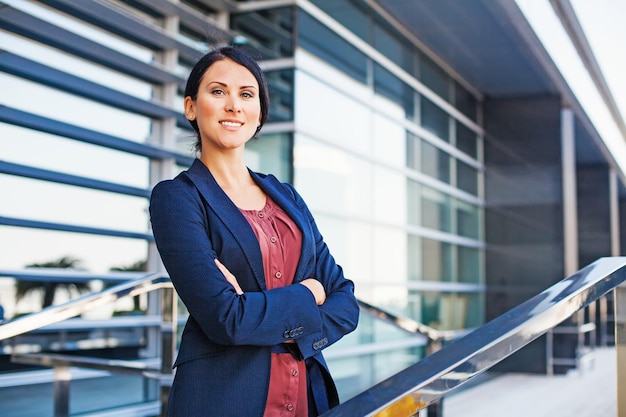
(242, 58)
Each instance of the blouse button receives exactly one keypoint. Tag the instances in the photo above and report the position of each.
(278, 274)
(261, 215)
(273, 239)
(294, 372)
(290, 407)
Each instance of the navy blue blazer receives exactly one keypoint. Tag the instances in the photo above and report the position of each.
(223, 362)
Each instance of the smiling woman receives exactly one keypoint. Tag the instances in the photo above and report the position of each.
(264, 294)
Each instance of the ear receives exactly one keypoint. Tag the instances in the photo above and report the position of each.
(190, 108)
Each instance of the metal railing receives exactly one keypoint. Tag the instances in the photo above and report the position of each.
(404, 394)
(159, 368)
(412, 390)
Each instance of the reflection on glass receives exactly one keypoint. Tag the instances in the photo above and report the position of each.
(328, 114)
(353, 15)
(280, 85)
(315, 37)
(271, 154)
(435, 162)
(467, 220)
(434, 119)
(388, 85)
(434, 77)
(466, 178)
(469, 265)
(394, 47)
(465, 102)
(435, 210)
(269, 32)
(466, 140)
(437, 261)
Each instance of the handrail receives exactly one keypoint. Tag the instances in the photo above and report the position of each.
(79, 305)
(435, 337)
(427, 381)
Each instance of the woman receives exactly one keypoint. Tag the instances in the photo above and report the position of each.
(263, 292)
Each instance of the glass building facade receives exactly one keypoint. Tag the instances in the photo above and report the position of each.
(384, 140)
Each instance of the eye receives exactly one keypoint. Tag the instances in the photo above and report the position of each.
(247, 94)
(217, 92)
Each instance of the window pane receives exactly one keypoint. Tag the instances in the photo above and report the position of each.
(349, 14)
(435, 209)
(393, 48)
(466, 178)
(434, 119)
(468, 220)
(468, 265)
(270, 32)
(332, 180)
(328, 113)
(271, 154)
(435, 162)
(388, 85)
(280, 85)
(315, 37)
(434, 78)
(466, 140)
(465, 102)
(438, 266)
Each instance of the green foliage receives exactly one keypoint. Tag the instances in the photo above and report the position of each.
(23, 287)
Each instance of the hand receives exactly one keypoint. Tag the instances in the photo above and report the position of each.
(229, 277)
(316, 288)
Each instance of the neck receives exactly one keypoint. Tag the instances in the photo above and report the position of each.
(230, 173)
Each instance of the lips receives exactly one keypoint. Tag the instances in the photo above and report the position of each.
(229, 123)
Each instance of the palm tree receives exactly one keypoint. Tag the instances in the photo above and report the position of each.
(139, 266)
(24, 287)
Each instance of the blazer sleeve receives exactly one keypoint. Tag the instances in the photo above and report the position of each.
(340, 311)
(180, 227)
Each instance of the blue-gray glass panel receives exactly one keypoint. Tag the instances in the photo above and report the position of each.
(465, 102)
(388, 85)
(434, 78)
(466, 178)
(466, 140)
(435, 162)
(350, 14)
(269, 32)
(280, 84)
(434, 119)
(325, 44)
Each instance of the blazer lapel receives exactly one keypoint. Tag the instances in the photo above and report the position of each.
(230, 216)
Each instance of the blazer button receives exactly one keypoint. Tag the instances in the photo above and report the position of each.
(286, 334)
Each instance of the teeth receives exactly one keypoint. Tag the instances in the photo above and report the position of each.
(231, 124)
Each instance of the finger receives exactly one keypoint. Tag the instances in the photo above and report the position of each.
(222, 268)
(230, 278)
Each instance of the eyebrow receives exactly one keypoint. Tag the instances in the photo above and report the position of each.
(243, 87)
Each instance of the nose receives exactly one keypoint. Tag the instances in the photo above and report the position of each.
(233, 105)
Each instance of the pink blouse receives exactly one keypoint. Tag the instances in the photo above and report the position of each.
(281, 242)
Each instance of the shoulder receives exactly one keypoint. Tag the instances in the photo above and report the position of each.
(173, 189)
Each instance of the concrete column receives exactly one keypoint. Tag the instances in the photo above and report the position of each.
(570, 212)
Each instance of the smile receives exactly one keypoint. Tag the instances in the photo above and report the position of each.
(231, 124)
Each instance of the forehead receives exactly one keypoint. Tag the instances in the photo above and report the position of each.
(229, 72)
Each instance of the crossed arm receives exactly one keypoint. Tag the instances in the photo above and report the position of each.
(316, 288)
